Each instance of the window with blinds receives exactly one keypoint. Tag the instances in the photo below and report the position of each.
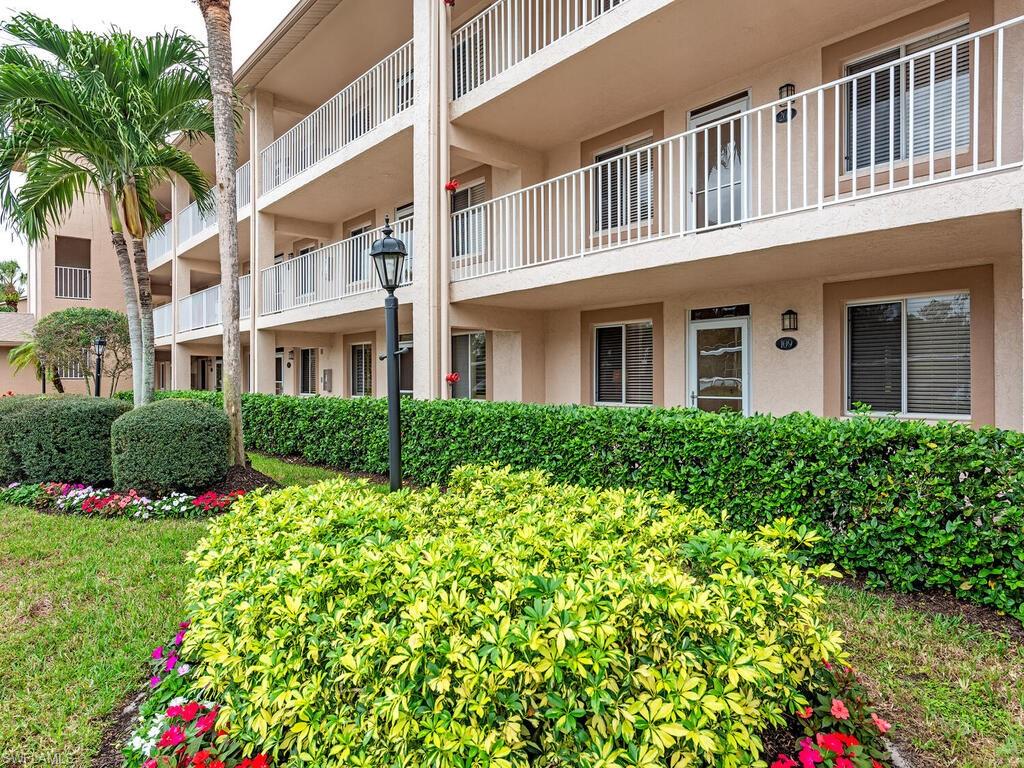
(71, 370)
(405, 364)
(469, 360)
(468, 230)
(624, 364)
(928, 96)
(307, 372)
(361, 370)
(911, 356)
(622, 186)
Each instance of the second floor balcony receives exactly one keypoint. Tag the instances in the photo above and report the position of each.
(202, 309)
(160, 245)
(330, 273)
(943, 113)
(193, 223)
(73, 283)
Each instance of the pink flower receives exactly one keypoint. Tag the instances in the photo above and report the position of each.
(172, 737)
(844, 762)
(809, 756)
(784, 761)
(831, 742)
(158, 652)
(839, 710)
(154, 681)
(883, 726)
(805, 713)
(171, 661)
(206, 722)
(185, 625)
(179, 637)
(151, 763)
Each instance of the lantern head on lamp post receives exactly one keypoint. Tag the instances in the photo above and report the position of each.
(388, 256)
(99, 346)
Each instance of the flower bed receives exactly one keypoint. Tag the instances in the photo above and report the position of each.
(81, 499)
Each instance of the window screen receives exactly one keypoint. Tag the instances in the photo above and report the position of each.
(622, 186)
(361, 370)
(624, 362)
(307, 372)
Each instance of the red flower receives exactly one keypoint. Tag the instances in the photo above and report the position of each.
(831, 742)
(189, 711)
(784, 761)
(452, 185)
(806, 713)
(844, 762)
(809, 756)
(453, 378)
(839, 710)
(216, 764)
(876, 764)
(172, 737)
(847, 739)
(151, 763)
(450, 3)
(206, 722)
(200, 758)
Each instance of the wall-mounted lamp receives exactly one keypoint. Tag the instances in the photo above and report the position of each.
(788, 111)
(789, 320)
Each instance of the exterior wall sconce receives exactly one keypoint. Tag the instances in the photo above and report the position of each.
(788, 111)
(789, 320)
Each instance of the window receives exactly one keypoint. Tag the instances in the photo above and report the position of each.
(357, 252)
(403, 212)
(304, 271)
(362, 370)
(624, 364)
(307, 372)
(469, 360)
(622, 186)
(883, 107)
(468, 229)
(405, 369)
(910, 356)
(71, 370)
(404, 91)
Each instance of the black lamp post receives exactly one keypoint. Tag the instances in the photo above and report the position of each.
(99, 346)
(388, 256)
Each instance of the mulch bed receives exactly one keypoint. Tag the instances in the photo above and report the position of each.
(945, 604)
(244, 479)
(118, 730)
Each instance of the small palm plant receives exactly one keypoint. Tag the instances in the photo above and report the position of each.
(12, 284)
(82, 112)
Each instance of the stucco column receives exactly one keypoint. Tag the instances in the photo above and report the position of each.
(430, 162)
(262, 351)
(181, 358)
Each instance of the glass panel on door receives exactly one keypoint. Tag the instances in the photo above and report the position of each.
(720, 164)
(720, 368)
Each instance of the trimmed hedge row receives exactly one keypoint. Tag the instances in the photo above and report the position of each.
(61, 438)
(902, 503)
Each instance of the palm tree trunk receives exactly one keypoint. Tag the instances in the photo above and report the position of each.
(145, 317)
(217, 15)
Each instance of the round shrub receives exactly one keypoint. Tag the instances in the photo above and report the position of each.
(10, 462)
(508, 622)
(61, 438)
(170, 445)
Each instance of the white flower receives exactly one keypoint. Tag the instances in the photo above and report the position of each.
(182, 669)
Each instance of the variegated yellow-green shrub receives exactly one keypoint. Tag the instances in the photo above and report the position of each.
(505, 622)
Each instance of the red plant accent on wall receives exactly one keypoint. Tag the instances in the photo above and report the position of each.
(452, 185)
(450, 3)
(453, 378)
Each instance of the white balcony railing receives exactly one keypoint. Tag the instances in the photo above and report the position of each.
(509, 31)
(333, 272)
(202, 309)
(192, 221)
(73, 283)
(159, 244)
(378, 95)
(162, 321)
(937, 115)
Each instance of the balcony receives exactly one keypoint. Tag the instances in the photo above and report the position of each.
(194, 223)
(950, 120)
(163, 323)
(370, 101)
(160, 246)
(73, 283)
(202, 309)
(330, 273)
(510, 31)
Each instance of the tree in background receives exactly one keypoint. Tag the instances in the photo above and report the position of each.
(65, 339)
(24, 356)
(12, 283)
(83, 112)
(217, 15)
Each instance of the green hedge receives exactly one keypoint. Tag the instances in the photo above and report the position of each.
(61, 438)
(509, 622)
(170, 445)
(902, 503)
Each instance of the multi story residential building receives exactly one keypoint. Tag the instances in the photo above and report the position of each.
(765, 207)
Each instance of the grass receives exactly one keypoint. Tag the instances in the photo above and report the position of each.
(955, 691)
(287, 473)
(82, 602)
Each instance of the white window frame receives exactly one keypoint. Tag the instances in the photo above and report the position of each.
(480, 223)
(596, 231)
(368, 353)
(472, 364)
(405, 341)
(316, 361)
(902, 299)
(622, 403)
(743, 322)
(902, 128)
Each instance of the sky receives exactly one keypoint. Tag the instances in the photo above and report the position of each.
(252, 21)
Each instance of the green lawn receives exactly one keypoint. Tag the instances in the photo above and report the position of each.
(83, 601)
(955, 691)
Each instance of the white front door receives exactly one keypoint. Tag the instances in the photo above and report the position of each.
(718, 182)
(719, 364)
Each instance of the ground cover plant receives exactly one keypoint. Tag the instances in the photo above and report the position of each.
(81, 499)
(902, 503)
(509, 620)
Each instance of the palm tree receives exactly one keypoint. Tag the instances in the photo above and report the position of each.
(12, 283)
(26, 355)
(81, 111)
(217, 15)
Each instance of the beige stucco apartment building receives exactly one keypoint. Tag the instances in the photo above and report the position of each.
(763, 206)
